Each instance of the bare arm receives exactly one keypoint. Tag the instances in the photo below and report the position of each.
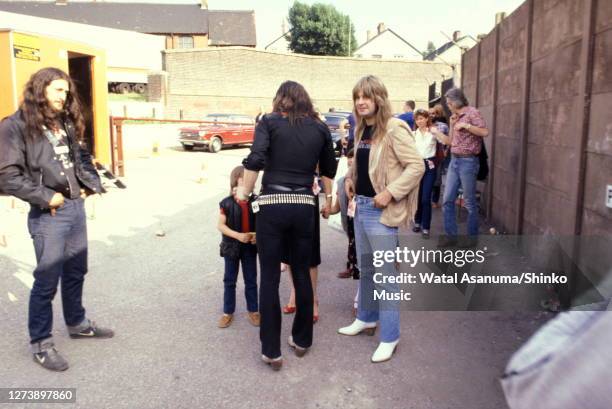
(327, 189)
(444, 139)
(335, 209)
(224, 229)
(250, 178)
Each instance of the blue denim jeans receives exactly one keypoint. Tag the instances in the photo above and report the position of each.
(248, 259)
(371, 235)
(461, 172)
(423, 214)
(60, 244)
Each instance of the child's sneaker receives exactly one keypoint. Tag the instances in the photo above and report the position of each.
(254, 318)
(225, 320)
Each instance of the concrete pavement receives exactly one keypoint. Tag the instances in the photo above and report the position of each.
(163, 296)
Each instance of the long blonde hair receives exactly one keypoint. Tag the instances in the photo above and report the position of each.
(373, 88)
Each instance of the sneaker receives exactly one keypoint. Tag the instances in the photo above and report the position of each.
(225, 320)
(47, 356)
(93, 331)
(254, 318)
(425, 234)
(416, 228)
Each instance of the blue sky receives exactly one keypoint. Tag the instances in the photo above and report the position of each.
(417, 21)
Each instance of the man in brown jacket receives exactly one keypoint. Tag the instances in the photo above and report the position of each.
(384, 182)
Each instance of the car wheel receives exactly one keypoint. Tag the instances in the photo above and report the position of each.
(188, 147)
(139, 88)
(215, 144)
(123, 88)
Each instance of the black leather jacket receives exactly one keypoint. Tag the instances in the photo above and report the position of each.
(29, 169)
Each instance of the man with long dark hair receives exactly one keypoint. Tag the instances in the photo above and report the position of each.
(43, 163)
(288, 144)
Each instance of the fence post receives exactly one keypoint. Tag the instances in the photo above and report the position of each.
(524, 130)
(113, 137)
(583, 122)
(577, 195)
(493, 127)
(120, 163)
(477, 86)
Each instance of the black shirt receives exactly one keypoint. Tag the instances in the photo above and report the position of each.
(289, 154)
(364, 184)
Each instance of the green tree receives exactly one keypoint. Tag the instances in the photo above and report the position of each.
(320, 29)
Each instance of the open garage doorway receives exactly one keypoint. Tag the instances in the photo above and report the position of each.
(79, 67)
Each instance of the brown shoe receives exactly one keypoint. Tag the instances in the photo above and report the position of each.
(254, 318)
(344, 274)
(276, 364)
(225, 320)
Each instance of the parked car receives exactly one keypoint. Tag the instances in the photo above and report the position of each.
(217, 131)
(333, 121)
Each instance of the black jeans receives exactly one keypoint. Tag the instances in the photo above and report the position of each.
(60, 244)
(278, 224)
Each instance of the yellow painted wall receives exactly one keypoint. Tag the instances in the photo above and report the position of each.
(54, 53)
(200, 41)
(8, 101)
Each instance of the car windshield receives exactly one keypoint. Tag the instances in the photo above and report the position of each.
(333, 120)
(228, 118)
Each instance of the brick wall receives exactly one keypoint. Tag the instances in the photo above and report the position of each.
(239, 79)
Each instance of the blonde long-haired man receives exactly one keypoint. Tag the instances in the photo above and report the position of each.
(384, 182)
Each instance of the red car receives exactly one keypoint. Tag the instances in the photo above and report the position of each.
(219, 131)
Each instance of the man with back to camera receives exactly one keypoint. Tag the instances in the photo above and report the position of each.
(42, 163)
(408, 115)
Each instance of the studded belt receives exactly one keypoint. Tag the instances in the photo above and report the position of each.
(286, 198)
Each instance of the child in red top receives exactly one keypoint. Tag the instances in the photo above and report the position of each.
(237, 224)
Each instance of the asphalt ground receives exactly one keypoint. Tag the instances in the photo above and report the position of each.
(163, 297)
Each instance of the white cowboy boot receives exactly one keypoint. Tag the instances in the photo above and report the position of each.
(384, 351)
(358, 327)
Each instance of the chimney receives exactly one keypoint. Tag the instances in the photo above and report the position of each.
(499, 17)
(381, 27)
(61, 2)
(369, 35)
(204, 4)
(456, 35)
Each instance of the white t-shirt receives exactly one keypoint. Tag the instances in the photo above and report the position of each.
(425, 143)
